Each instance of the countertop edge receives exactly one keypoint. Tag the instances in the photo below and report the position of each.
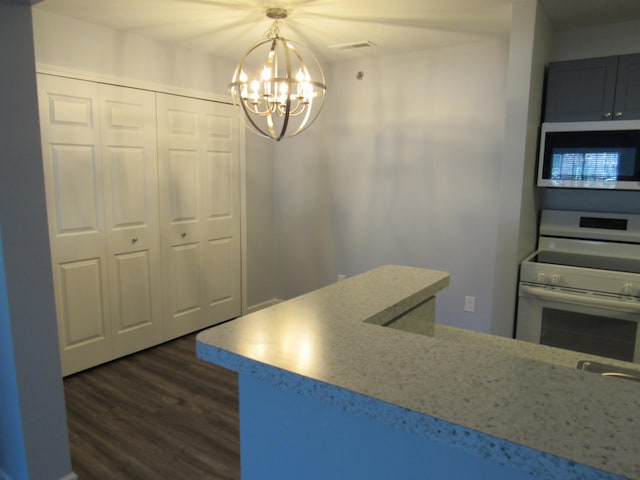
(328, 338)
(483, 445)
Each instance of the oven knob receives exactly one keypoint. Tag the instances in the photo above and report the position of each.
(628, 288)
(555, 279)
(542, 278)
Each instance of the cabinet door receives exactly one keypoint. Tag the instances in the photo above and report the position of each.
(581, 90)
(128, 134)
(198, 151)
(75, 202)
(627, 103)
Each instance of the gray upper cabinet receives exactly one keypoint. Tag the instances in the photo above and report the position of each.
(593, 89)
(627, 99)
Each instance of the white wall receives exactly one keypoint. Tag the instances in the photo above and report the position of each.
(80, 46)
(33, 400)
(401, 168)
(74, 46)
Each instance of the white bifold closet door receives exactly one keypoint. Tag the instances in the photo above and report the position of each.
(100, 165)
(198, 153)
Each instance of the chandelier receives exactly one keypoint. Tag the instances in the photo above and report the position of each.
(276, 92)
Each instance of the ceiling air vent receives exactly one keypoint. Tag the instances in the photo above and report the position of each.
(352, 45)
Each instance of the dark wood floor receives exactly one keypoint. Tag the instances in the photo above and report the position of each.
(158, 414)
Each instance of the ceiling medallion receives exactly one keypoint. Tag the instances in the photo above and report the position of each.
(284, 95)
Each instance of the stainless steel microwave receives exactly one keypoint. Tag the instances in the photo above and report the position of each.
(597, 155)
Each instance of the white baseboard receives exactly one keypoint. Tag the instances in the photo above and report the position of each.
(260, 306)
(68, 476)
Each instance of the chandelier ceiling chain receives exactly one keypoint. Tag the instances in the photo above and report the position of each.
(273, 31)
(284, 96)
(275, 14)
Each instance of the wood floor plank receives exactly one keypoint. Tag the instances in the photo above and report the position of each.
(159, 414)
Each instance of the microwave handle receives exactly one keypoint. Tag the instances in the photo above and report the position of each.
(564, 297)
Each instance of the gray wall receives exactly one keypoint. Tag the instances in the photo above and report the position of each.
(597, 41)
(402, 167)
(369, 184)
(261, 270)
(409, 165)
(33, 430)
(517, 216)
(430, 161)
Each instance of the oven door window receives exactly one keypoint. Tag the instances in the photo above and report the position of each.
(581, 332)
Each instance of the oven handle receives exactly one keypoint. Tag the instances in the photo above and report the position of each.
(546, 294)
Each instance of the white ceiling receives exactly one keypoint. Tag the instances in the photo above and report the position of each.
(227, 28)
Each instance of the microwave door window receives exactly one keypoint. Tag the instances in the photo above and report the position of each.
(585, 164)
(590, 159)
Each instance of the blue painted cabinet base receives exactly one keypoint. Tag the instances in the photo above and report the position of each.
(285, 435)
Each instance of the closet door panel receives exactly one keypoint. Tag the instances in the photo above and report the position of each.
(133, 291)
(100, 163)
(72, 163)
(187, 261)
(74, 184)
(199, 174)
(71, 113)
(183, 223)
(128, 203)
(128, 131)
(220, 260)
(85, 323)
(183, 166)
(75, 189)
(220, 172)
(180, 162)
(222, 187)
(182, 120)
(106, 150)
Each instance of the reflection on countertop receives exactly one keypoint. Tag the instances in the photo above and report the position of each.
(517, 403)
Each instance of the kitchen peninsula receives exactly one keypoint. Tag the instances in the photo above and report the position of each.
(353, 381)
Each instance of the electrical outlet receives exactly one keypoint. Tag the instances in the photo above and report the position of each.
(341, 277)
(469, 304)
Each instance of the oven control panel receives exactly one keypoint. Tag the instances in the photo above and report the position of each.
(549, 278)
(594, 280)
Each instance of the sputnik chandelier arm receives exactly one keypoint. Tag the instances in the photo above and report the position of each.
(285, 95)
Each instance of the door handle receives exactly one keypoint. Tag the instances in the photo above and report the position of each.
(575, 299)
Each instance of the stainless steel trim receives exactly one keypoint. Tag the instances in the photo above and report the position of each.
(543, 293)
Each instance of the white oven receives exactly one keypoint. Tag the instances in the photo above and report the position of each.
(581, 289)
(579, 320)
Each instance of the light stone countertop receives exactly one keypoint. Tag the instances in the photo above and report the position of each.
(513, 402)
